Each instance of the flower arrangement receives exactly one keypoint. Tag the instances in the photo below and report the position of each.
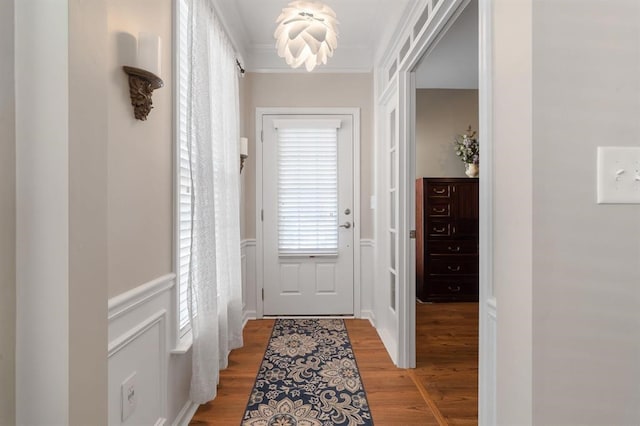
(467, 147)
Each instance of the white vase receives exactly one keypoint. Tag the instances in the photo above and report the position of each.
(471, 170)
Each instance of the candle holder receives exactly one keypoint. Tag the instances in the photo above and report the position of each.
(141, 86)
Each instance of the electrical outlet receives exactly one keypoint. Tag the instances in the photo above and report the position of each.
(618, 175)
(129, 394)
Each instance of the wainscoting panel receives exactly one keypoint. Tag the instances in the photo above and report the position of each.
(141, 326)
(367, 259)
(141, 354)
(248, 255)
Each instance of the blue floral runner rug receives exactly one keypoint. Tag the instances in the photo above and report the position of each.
(308, 377)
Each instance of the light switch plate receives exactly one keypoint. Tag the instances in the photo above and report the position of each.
(618, 175)
(129, 396)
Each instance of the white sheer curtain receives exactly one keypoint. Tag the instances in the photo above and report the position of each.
(214, 289)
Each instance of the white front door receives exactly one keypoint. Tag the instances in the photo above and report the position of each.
(307, 187)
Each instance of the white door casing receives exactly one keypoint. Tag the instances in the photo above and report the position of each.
(394, 79)
(308, 282)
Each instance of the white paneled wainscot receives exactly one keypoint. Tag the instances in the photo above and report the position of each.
(143, 365)
(367, 258)
(249, 270)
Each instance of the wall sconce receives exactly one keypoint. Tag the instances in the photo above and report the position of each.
(143, 79)
(244, 151)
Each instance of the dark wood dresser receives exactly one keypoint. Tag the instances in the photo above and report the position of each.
(447, 239)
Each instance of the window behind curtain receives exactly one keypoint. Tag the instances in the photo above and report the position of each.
(184, 178)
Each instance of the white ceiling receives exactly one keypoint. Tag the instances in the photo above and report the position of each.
(453, 62)
(365, 27)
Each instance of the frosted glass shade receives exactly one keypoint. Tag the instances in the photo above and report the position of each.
(307, 33)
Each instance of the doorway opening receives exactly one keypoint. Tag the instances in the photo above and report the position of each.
(446, 120)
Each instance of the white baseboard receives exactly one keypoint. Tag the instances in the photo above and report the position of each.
(390, 344)
(248, 315)
(369, 315)
(186, 414)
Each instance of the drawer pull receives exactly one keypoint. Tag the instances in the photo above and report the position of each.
(440, 230)
(453, 268)
(439, 191)
(454, 289)
(439, 210)
(454, 249)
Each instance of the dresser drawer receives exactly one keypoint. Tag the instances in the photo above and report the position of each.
(460, 289)
(439, 190)
(452, 247)
(452, 265)
(438, 208)
(439, 229)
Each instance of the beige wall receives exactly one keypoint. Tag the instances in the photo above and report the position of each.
(88, 158)
(310, 90)
(441, 114)
(586, 259)
(7, 218)
(140, 152)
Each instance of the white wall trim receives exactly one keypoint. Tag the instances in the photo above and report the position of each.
(355, 112)
(487, 342)
(186, 414)
(366, 242)
(119, 343)
(369, 315)
(248, 261)
(367, 262)
(249, 242)
(125, 302)
(248, 315)
(389, 342)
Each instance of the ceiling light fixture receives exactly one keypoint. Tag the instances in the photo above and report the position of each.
(307, 33)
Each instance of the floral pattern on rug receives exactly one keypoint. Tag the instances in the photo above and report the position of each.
(308, 377)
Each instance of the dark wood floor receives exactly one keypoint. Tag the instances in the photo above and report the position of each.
(441, 390)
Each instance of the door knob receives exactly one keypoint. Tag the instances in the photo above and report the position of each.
(346, 225)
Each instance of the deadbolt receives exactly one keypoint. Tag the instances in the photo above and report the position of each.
(347, 212)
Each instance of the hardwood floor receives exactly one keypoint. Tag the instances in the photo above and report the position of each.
(447, 358)
(441, 390)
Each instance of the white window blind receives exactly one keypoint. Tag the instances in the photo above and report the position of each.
(307, 187)
(184, 170)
